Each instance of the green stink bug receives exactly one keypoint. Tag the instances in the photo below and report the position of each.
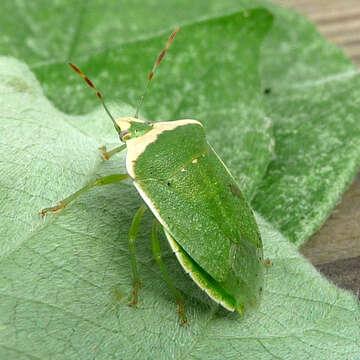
(195, 199)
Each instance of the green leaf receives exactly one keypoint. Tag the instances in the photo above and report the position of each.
(314, 89)
(314, 103)
(64, 282)
(77, 261)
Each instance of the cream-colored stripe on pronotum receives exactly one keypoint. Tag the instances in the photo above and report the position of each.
(174, 246)
(136, 146)
(125, 122)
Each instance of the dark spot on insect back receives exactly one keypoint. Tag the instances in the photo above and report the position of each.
(267, 91)
(235, 190)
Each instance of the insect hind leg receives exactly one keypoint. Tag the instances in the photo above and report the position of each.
(134, 229)
(157, 256)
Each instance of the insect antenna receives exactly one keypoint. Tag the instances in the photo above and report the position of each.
(157, 62)
(88, 81)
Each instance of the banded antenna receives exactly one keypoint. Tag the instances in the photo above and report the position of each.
(157, 62)
(88, 81)
(151, 75)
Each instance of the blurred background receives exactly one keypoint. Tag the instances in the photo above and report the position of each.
(335, 248)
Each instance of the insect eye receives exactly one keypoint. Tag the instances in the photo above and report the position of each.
(124, 135)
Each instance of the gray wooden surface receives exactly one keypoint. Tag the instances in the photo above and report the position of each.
(335, 248)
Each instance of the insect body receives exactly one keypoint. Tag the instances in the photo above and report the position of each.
(192, 194)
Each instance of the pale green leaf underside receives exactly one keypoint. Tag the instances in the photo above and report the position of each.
(65, 281)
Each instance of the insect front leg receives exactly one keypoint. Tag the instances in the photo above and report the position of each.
(157, 256)
(134, 229)
(110, 179)
(108, 154)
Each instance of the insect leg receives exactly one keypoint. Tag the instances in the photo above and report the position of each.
(108, 154)
(157, 255)
(110, 179)
(134, 229)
